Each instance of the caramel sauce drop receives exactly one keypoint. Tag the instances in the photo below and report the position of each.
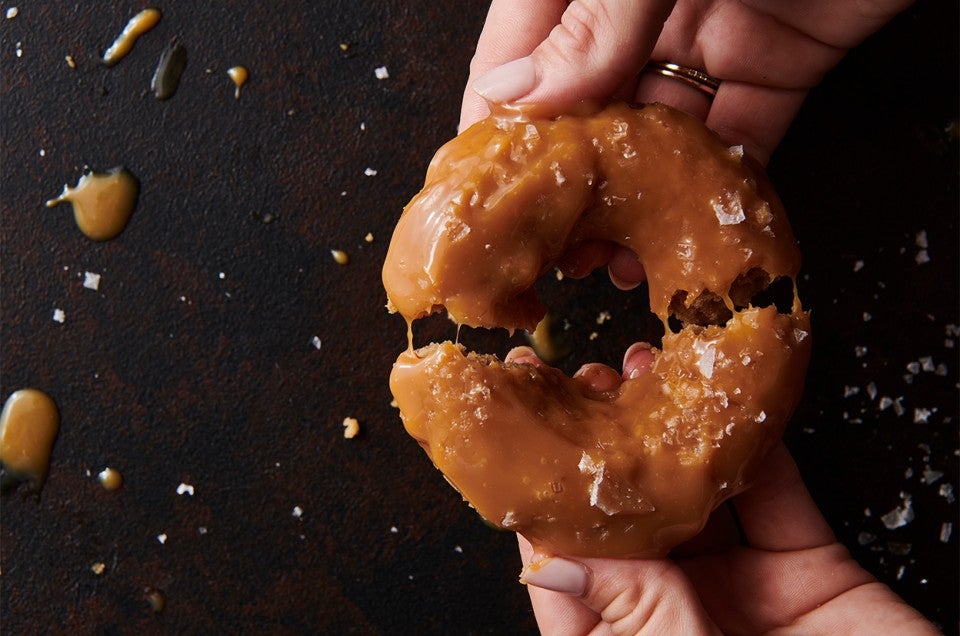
(239, 76)
(28, 426)
(102, 203)
(137, 26)
(110, 478)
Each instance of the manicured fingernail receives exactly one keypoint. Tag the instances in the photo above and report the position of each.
(507, 82)
(558, 575)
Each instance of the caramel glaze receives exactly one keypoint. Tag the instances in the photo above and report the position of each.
(102, 203)
(635, 471)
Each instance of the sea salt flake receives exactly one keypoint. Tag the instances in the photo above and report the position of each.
(297, 512)
(185, 489)
(708, 357)
(913, 367)
(867, 316)
(316, 342)
(59, 316)
(946, 529)
(860, 351)
(91, 280)
(370, 172)
(381, 73)
(930, 476)
(162, 538)
(922, 257)
(926, 363)
(941, 370)
(866, 538)
(729, 209)
(849, 391)
(921, 415)
(900, 572)
(921, 239)
(857, 266)
(603, 317)
(872, 390)
(946, 491)
(12, 13)
(899, 516)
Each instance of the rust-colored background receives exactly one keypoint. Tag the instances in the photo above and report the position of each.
(193, 361)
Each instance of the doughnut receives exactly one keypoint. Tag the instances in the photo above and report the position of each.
(634, 471)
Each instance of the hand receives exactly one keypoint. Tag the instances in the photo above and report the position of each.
(767, 54)
(781, 570)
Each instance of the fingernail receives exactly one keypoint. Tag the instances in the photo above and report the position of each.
(558, 575)
(507, 82)
(621, 284)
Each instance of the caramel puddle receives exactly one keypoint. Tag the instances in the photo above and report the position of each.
(239, 76)
(102, 203)
(137, 26)
(28, 426)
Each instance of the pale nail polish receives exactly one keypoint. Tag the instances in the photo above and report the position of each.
(507, 82)
(558, 575)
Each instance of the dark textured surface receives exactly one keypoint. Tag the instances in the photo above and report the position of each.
(193, 360)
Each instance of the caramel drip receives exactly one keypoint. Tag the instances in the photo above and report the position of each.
(239, 76)
(102, 203)
(137, 26)
(28, 427)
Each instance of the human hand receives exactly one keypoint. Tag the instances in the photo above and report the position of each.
(766, 54)
(786, 574)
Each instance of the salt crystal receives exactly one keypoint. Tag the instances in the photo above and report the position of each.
(949, 343)
(922, 257)
(860, 351)
(952, 330)
(872, 390)
(866, 538)
(370, 172)
(901, 515)
(185, 488)
(297, 512)
(316, 342)
(858, 266)
(921, 239)
(729, 210)
(59, 316)
(946, 491)
(930, 476)
(867, 316)
(91, 280)
(908, 473)
(363, 125)
(941, 370)
(946, 529)
(926, 363)
(898, 407)
(458, 549)
(921, 415)
(381, 72)
(162, 538)
(603, 317)
(708, 356)
(850, 390)
(913, 367)
(393, 530)
(900, 572)
(12, 13)
(202, 529)
(761, 417)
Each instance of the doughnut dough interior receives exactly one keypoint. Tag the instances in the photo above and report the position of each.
(635, 471)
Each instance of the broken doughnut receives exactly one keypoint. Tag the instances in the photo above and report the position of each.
(634, 471)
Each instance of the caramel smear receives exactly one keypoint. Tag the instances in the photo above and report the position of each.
(137, 26)
(102, 203)
(239, 76)
(28, 427)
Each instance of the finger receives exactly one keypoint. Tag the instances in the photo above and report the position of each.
(753, 116)
(626, 272)
(598, 46)
(722, 532)
(598, 377)
(556, 613)
(778, 513)
(637, 360)
(513, 29)
(523, 355)
(630, 596)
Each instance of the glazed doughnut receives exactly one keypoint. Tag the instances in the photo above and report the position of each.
(634, 471)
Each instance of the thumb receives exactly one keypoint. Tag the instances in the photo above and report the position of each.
(629, 596)
(598, 46)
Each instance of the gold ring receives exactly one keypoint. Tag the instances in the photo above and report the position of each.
(690, 76)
